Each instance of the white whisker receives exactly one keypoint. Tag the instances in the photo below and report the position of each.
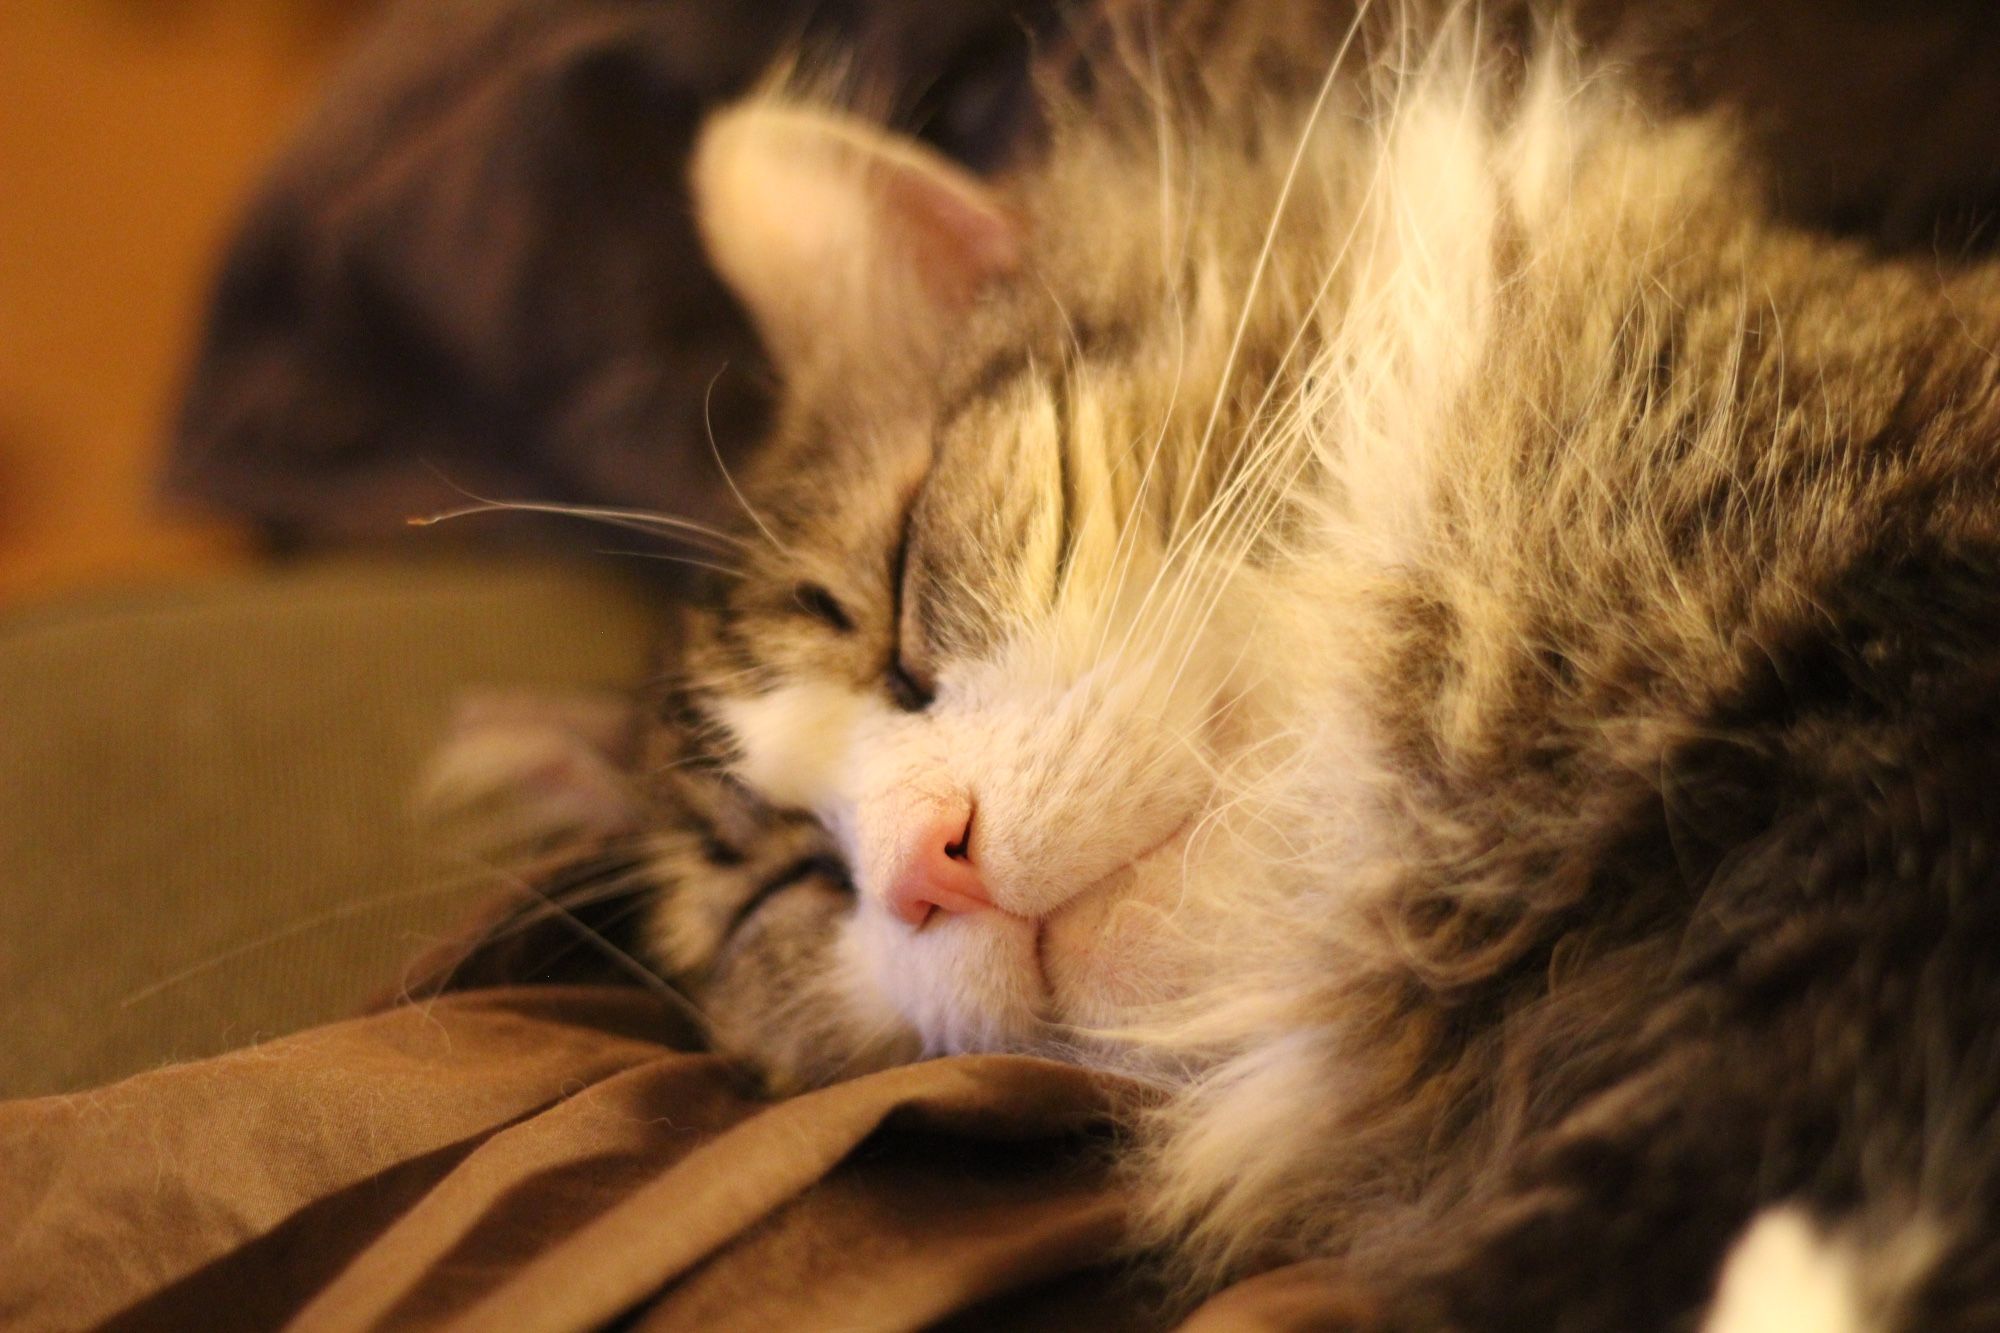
(635, 520)
(715, 452)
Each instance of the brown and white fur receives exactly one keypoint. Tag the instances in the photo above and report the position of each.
(1454, 644)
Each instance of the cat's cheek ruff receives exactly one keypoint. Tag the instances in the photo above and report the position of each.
(1229, 1160)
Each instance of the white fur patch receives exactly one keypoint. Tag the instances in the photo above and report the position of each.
(1786, 1276)
(794, 739)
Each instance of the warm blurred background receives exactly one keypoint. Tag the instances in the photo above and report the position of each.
(132, 130)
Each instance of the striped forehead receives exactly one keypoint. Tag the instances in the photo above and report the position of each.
(1039, 475)
(990, 523)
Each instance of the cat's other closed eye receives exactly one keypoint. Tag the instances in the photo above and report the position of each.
(911, 692)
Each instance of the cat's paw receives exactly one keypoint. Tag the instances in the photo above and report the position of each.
(522, 771)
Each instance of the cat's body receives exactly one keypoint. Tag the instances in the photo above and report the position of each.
(1407, 612)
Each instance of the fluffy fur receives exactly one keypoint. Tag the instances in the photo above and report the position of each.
(1465, 651)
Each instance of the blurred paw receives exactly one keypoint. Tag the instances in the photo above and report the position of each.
(519, 770)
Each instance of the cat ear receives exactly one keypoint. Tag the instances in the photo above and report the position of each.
(848, 245)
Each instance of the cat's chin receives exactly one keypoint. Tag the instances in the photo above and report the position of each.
(963, 983)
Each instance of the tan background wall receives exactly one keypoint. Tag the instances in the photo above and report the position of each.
(129, 132)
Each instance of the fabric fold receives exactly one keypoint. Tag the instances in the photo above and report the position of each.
(561, 1158)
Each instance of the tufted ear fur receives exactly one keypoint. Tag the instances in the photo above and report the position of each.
(848, 245)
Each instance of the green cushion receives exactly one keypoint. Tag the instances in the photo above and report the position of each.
(206, 835)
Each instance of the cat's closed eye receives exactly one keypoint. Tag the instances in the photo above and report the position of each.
(910, 691)
(823, 606)
(910, 688)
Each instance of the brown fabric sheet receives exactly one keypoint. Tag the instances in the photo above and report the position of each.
(559, 1158)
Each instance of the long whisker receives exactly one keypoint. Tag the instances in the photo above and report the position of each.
(1191, 537)
(1262, 266)
(305, 925)
(1224, 519)
(548, 906)
(715, 451)
(635, 520)
(726, 571)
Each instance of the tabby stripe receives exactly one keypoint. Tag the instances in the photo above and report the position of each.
(1010, 363)
(792, 874)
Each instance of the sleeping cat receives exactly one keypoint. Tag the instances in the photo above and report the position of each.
(1371, 586)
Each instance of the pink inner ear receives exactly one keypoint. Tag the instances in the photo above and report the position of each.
(847, 244)
(960, 241)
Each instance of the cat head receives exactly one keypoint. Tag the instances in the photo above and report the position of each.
(994, 625)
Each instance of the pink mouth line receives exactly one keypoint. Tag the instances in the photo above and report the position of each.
(1042, 922)
(1178, 829)
(1101, 880)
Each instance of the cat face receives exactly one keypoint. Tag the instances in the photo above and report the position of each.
(991, 629)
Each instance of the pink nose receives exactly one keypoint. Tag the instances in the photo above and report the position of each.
(934, 870)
